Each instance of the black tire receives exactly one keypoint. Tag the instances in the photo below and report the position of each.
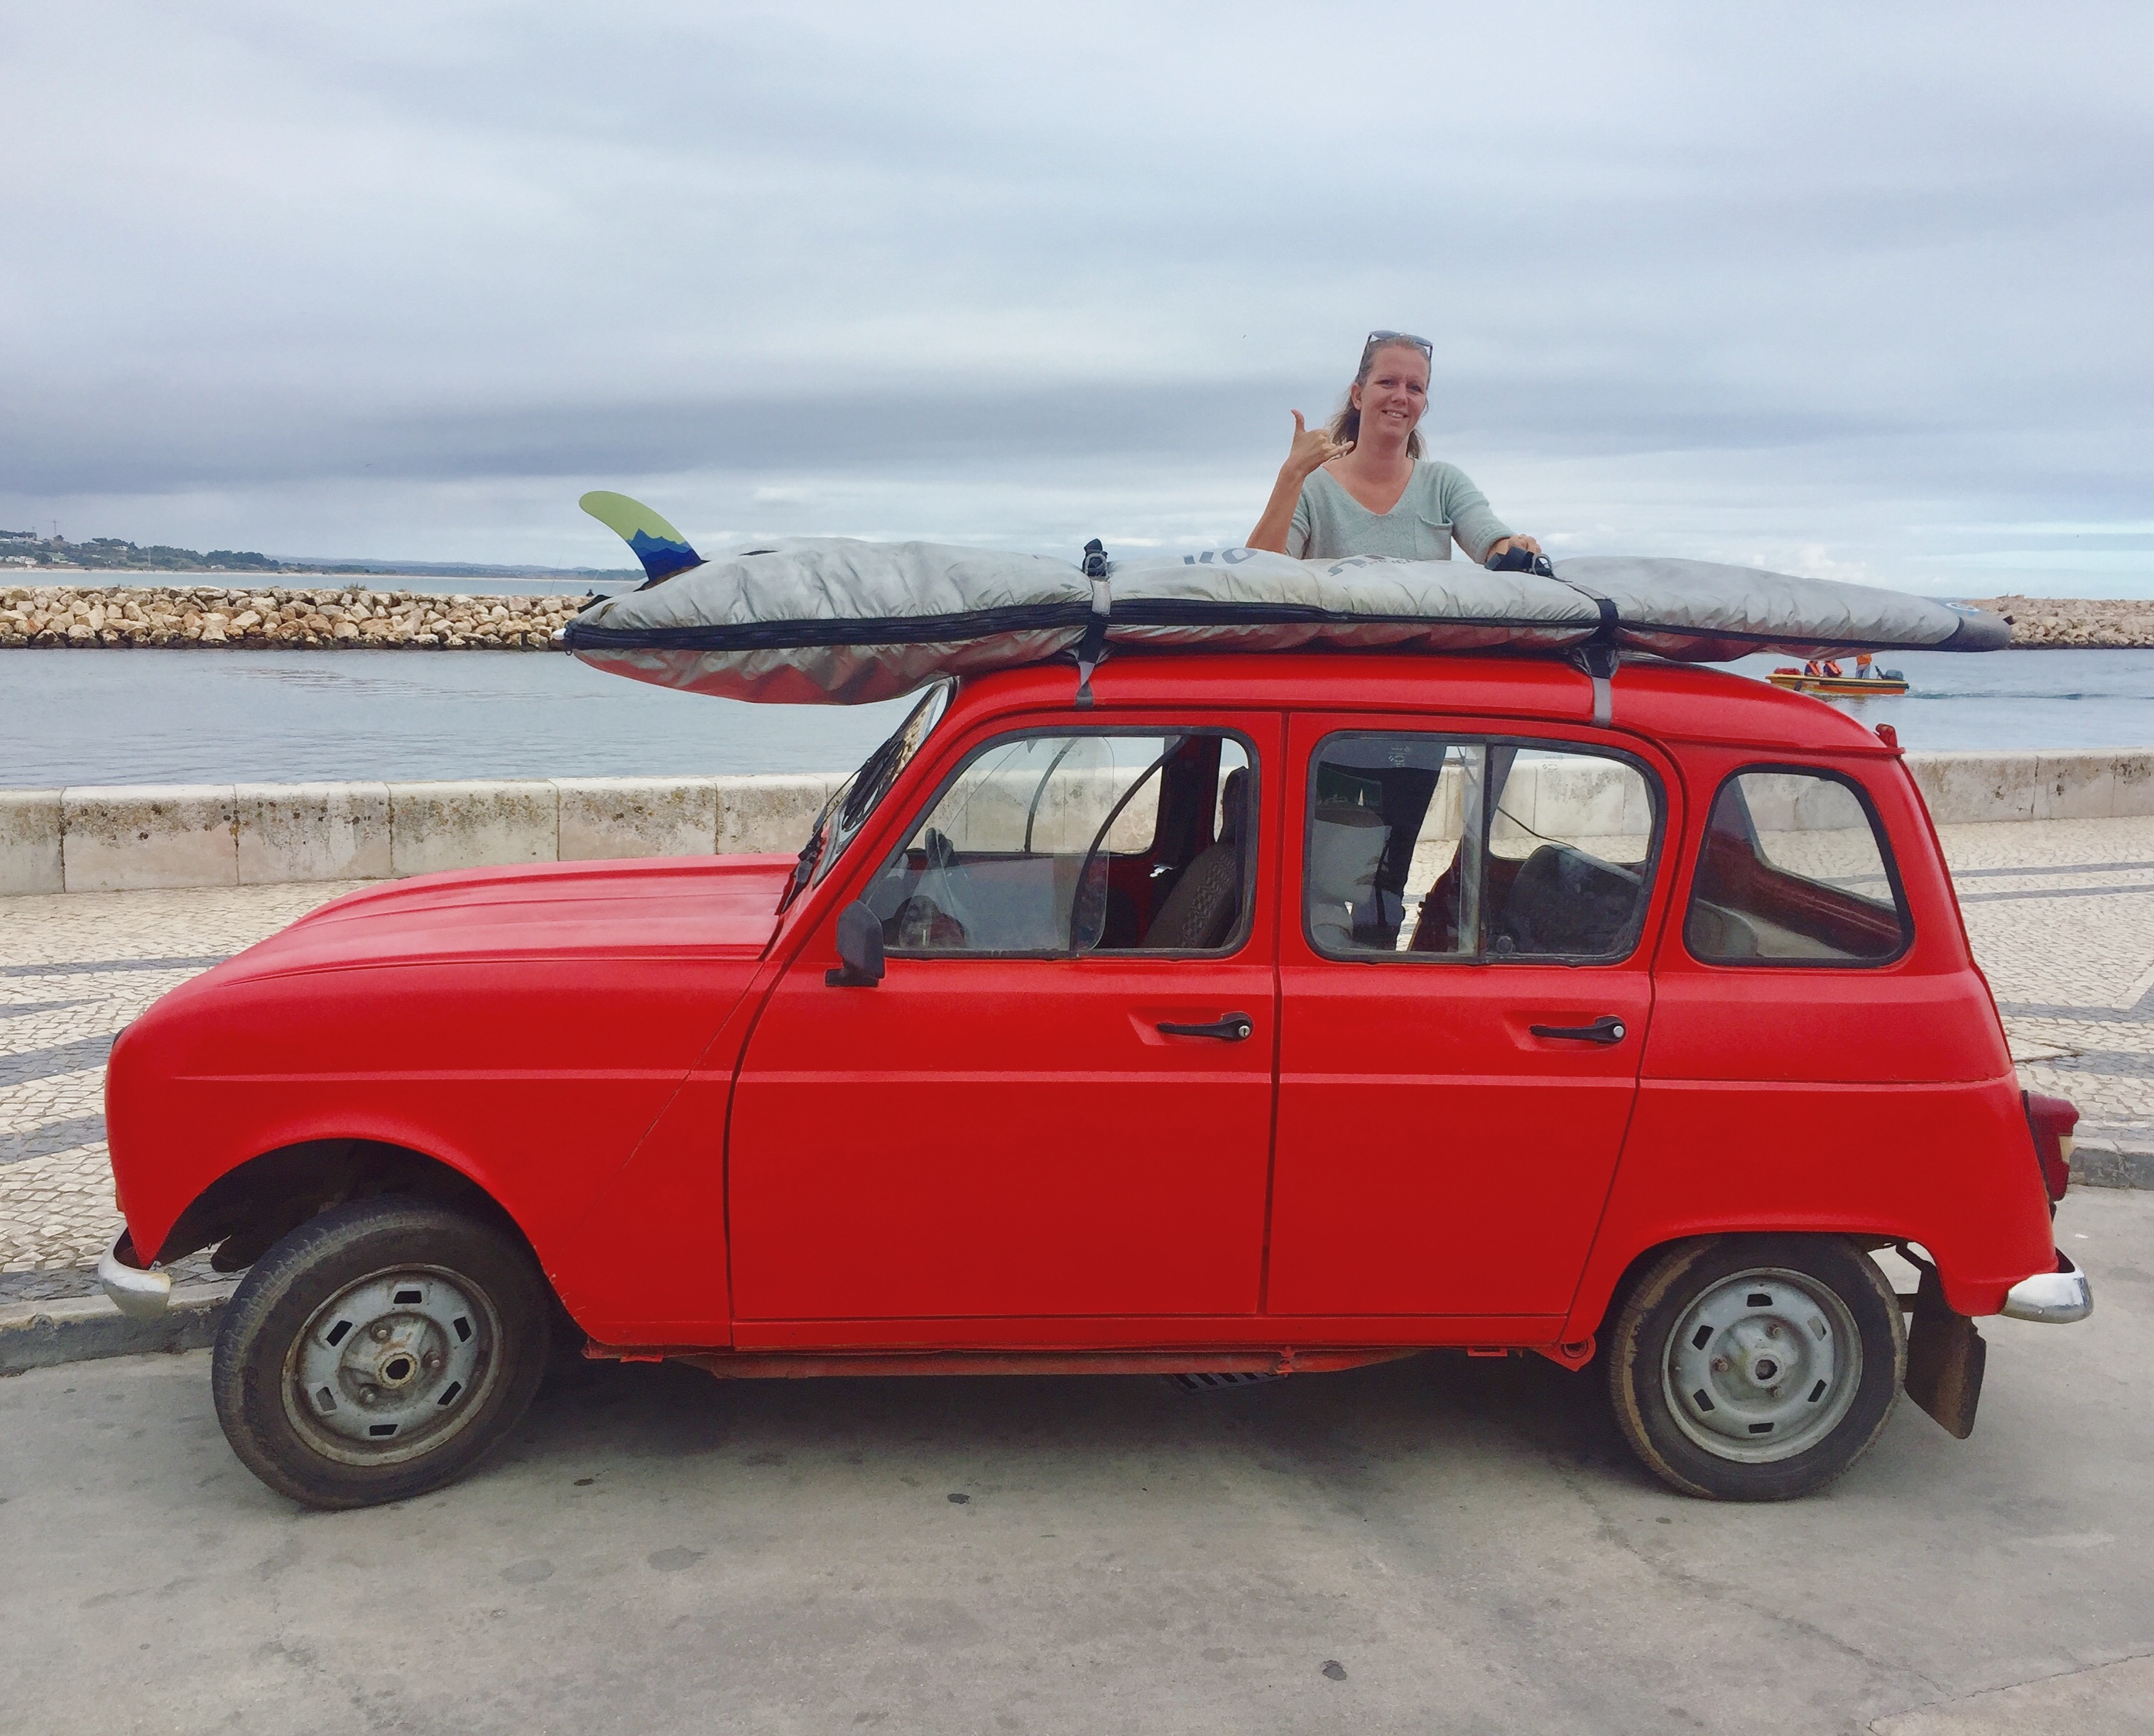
(436, 1340)
(1724, 1344)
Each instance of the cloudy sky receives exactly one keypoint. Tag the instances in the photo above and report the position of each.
(1857, 291)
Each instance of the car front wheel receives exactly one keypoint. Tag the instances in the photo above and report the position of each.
(379, 1351)
(1756, 1368)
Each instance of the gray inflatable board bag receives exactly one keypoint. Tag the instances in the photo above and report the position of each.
(829, 620)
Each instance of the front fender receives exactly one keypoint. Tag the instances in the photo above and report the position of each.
(534, 1078)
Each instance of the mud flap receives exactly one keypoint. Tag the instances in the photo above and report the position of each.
(1945, 1358)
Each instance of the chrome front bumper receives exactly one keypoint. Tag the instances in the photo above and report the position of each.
(2054, 1298)
(135, 1293)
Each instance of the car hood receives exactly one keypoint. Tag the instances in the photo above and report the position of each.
(721, 906)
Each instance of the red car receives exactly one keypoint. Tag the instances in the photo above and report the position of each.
(1267, 1014)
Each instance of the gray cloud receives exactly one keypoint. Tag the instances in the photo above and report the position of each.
(1858, 287)
(173, 442)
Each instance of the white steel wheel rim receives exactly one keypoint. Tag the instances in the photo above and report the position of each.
(1762, 1366)
(393, 1366)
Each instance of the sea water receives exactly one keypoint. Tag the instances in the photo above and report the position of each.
(203, 716)
(2006, 699)
(196, 716)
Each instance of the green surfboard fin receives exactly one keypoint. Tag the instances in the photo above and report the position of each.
(663, 550)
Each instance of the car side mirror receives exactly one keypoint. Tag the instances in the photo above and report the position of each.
(860, 949)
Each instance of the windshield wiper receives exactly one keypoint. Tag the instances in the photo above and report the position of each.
(804, 864)
(851, 802)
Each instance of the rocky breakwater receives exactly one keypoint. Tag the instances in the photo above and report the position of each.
(2077, 623)
(251, 618)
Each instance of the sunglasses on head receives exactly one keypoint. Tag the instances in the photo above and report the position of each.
(1422, 345)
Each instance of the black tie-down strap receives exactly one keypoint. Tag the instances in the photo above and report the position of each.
(1599, 656)
(1093, 647)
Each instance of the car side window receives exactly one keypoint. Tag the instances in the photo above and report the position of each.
(1059, 844)
(1435, 847)
(1794, 870)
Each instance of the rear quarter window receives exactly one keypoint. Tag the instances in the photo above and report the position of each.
(1794, 870)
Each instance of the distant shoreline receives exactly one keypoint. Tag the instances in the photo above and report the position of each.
(25, 555)
(118, 576)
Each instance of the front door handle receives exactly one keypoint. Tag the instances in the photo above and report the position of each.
(1601, 1031)
(1234, 1028)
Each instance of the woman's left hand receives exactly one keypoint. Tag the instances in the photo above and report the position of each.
(1501, 543)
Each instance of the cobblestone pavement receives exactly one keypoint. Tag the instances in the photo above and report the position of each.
(74, 968)
(2061, 915)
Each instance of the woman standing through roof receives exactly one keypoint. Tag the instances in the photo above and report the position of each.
(1362, 486)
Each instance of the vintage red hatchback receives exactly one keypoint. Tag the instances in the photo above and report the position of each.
(1273, 1014)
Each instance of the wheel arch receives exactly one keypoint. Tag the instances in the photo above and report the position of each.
(251, 1205)
(1600, 1301)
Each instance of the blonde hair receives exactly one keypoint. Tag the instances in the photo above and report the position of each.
(1346, 420)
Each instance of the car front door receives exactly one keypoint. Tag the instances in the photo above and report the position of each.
(1056, 1105)
(1464, 997)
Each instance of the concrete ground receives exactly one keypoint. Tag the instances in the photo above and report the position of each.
(1439, 1544)
(2061, 914)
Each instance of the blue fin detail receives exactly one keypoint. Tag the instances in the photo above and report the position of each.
(661, 557)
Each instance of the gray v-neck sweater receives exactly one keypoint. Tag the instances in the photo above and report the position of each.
(1439, 503)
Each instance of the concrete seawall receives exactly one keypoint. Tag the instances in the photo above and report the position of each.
(111, 838)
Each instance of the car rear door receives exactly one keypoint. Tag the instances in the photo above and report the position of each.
(1005, 1128)
(1464, 996)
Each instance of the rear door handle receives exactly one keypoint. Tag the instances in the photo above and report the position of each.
(1234, 1028)
(1601, 1031)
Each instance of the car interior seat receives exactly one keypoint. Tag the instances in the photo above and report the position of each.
(1345, 846)
(1564, 902)
(1199, 914)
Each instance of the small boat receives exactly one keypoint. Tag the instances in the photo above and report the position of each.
(1827, 682)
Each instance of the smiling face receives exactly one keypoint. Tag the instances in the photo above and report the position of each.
(1393, 397)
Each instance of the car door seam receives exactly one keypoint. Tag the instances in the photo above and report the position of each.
(1281, 730)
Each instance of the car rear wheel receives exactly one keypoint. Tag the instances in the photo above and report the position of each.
(1756, 1368)
(379, 1351)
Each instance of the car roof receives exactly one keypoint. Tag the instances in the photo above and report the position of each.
(1662, 700)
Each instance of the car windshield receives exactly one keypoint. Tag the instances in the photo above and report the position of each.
(846, 811)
